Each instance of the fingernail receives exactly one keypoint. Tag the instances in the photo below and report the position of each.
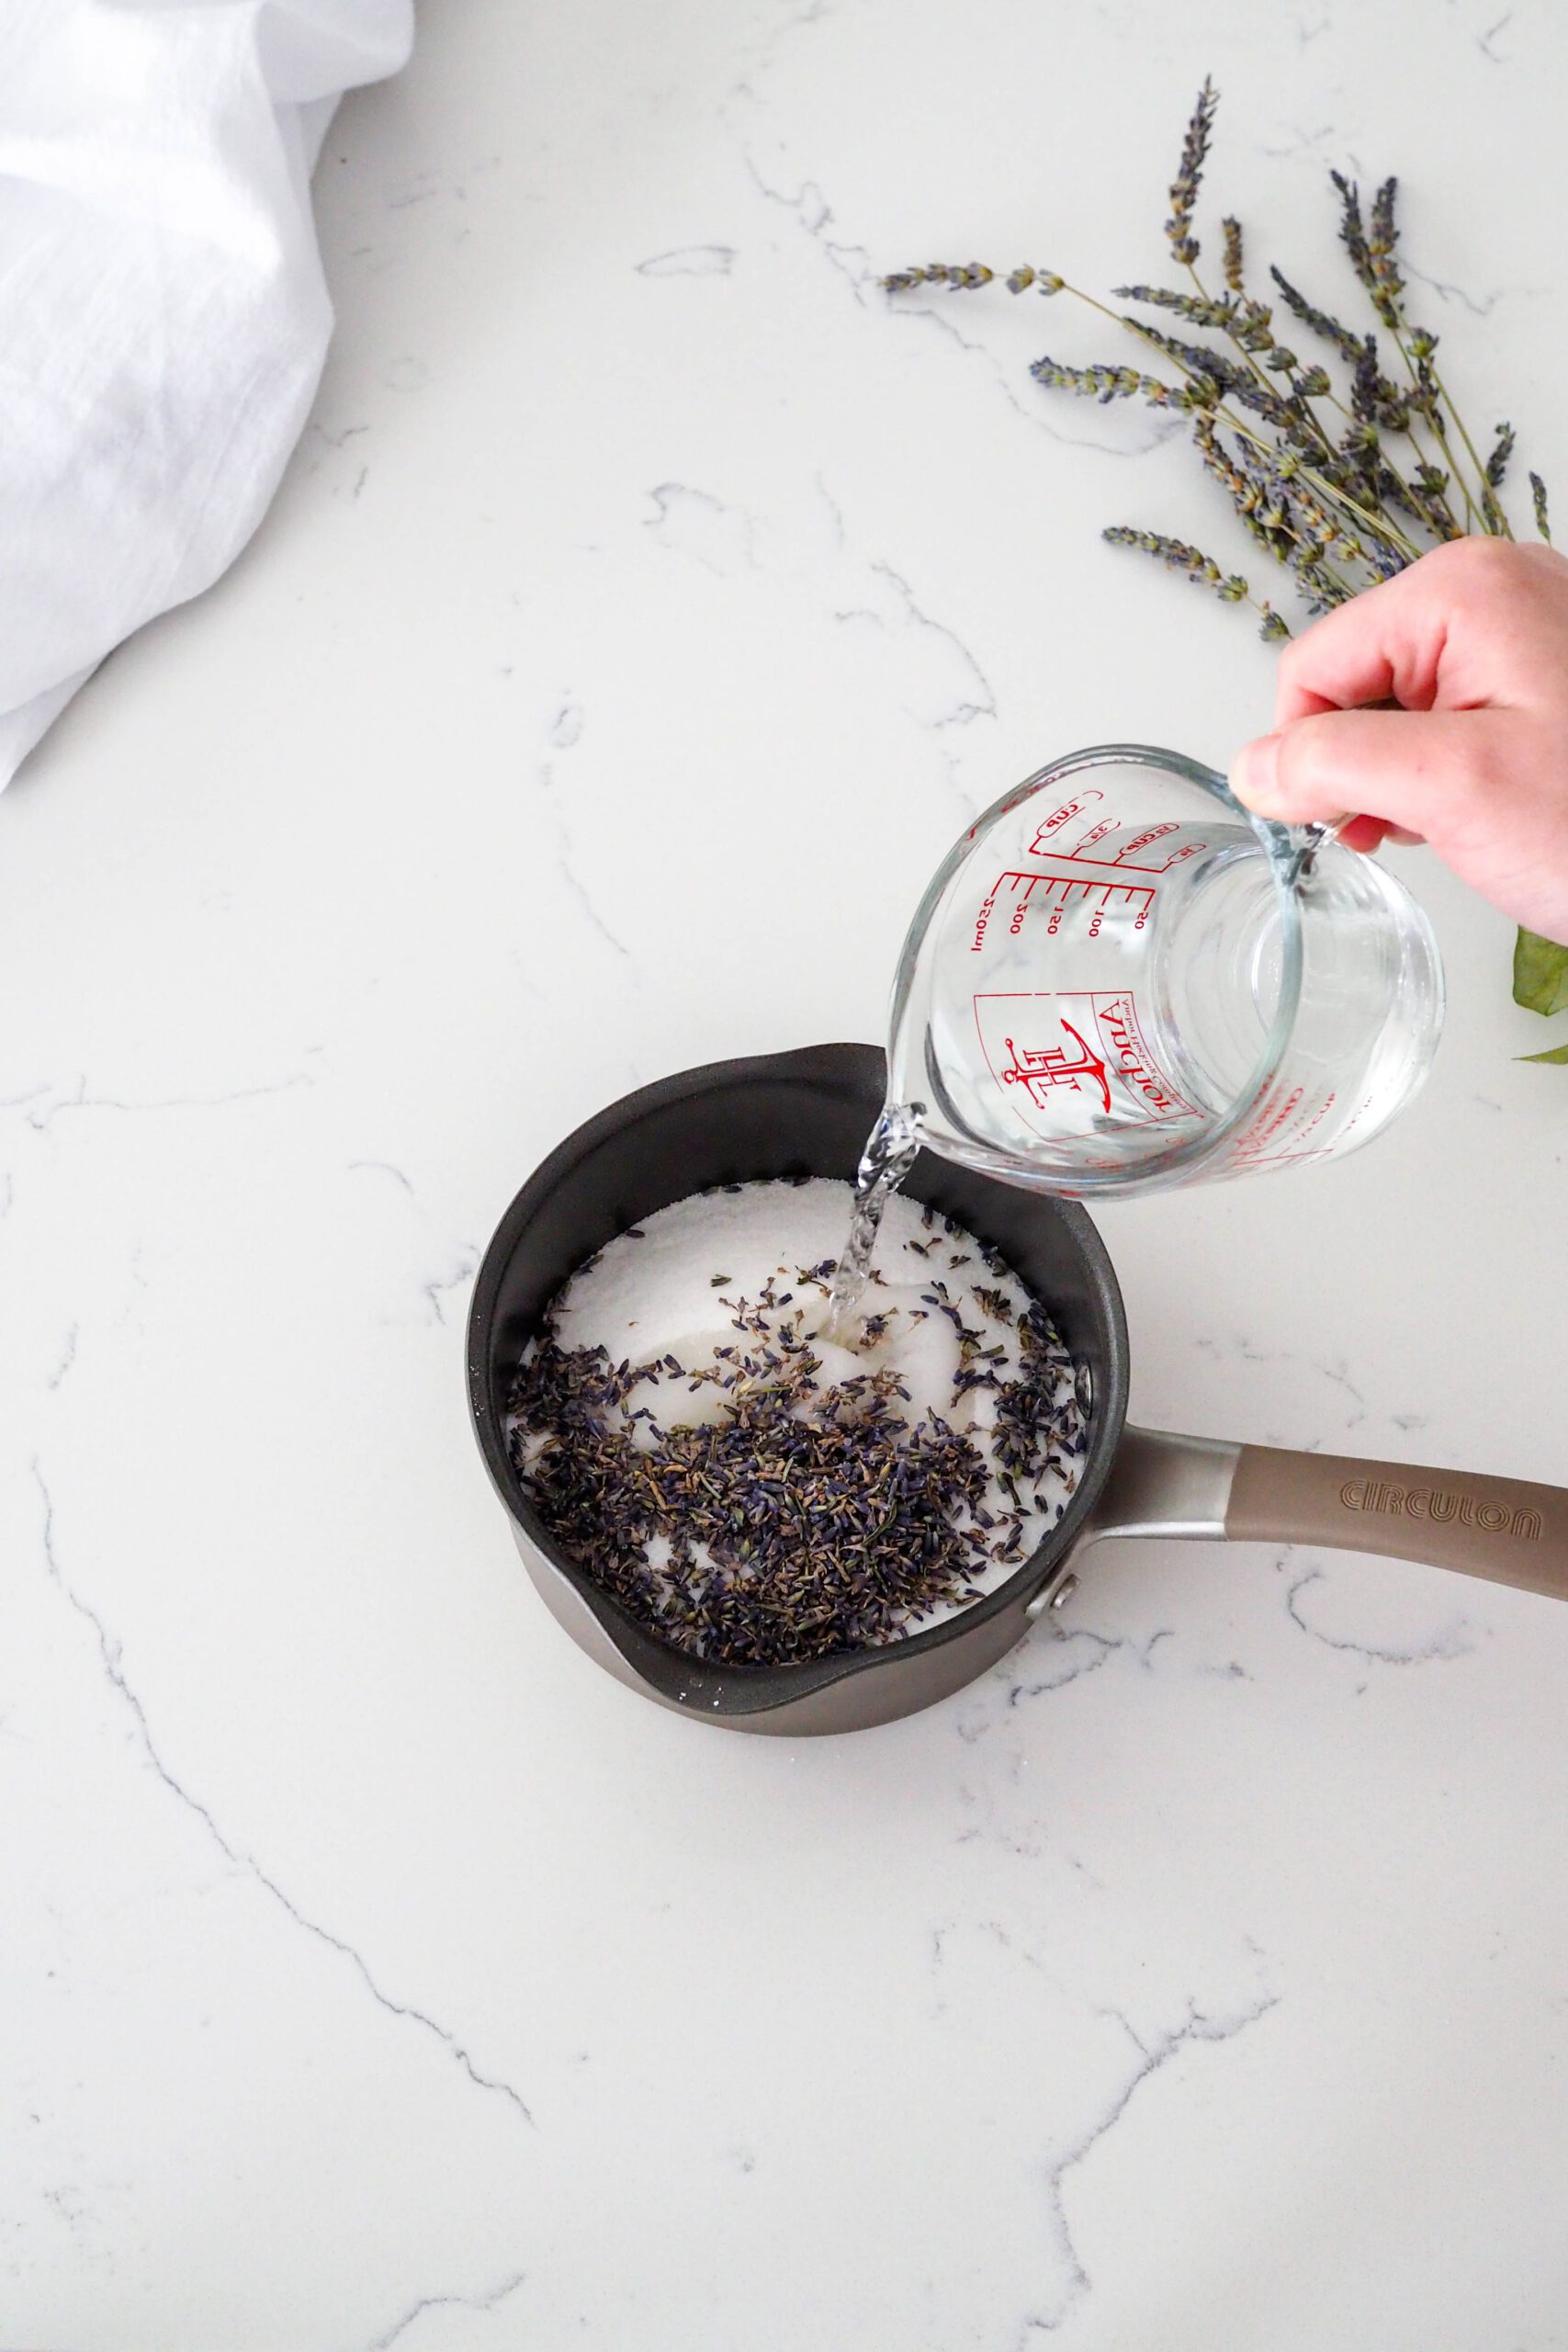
(1255, 774)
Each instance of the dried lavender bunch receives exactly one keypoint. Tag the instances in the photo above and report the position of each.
(1343, 486)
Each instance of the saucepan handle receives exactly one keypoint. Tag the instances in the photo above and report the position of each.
(1509, 1530)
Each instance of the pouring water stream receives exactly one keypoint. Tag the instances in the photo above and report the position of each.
(887, 1158)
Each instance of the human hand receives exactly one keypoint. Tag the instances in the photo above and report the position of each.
(1471, 643)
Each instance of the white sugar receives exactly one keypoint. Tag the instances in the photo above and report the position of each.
(665, 1294)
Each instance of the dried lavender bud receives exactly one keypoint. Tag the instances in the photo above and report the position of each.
(1231, 229)
(1352, 234)
(1029, 1413)
(1322, 591)
(1502, 450)
(994, 1303)
(1538, 497)
(1386, 285)
(1254, 330)
(1248, 493)
(1349, 345)
(1427, 400)
(1432, 483)
(1045, 281)
(1190, 175)
(1396, 496)
(1373, 400)
(1273, 627)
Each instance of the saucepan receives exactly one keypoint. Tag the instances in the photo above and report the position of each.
(807, 1114)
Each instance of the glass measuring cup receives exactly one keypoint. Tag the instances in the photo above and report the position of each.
(1119, 980)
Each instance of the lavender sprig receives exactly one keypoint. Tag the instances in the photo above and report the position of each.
(1110, 384)
(962, 277)
(1538, 499)
(1353, 237)
(1321, 323)
(1190, 175)
(1245, 322)
(1230, 587)
(1386, 288)
(1387, 285)
(1491, 478)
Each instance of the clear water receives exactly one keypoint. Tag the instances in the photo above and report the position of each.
(1086, 1028)
(887, 1158)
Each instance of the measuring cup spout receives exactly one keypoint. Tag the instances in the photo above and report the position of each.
(1510, 1531)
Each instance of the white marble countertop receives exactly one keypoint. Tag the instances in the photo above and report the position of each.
(375, 1971)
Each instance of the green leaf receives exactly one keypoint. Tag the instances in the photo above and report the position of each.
(1541, 977)
(1552, 1054)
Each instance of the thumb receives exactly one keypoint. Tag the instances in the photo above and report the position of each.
(1427, 772)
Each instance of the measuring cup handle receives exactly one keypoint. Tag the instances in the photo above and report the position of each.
(1509, 1530)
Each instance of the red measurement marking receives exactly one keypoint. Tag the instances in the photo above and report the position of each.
(1144, 841)
(1060, 816)
(1122, 861)
(1095, 834)
(1058, 892)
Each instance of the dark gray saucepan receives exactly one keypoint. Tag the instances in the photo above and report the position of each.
(808, 1114)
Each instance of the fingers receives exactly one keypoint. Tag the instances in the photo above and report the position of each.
(1467, 625)
(1385, 643)
(1367, 833)
(1430, 773)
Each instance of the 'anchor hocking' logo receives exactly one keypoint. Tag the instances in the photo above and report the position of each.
(1038, 1072)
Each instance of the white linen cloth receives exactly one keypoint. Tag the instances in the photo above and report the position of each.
(164, 316)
